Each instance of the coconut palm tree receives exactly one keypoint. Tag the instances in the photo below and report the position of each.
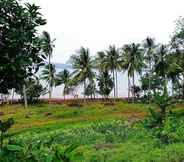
(180, 63)
(49, 75)
(64, 77)
(100, 61)
(132, 62)
(82, 64)
(105, 83)
(91, 89)
(112, 63)
(48, 45)
(124, 64)
(162, 66)
(174, 69)
(149, 46)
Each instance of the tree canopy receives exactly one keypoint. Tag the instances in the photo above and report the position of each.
(20, 44)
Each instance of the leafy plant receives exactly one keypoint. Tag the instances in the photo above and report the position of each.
(4, 126)
(67, 155)
(33, 91)
(163, 101)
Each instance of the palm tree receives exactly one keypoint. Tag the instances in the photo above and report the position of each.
(100, 61)
(48, 45)
(91, 89)
(63, 77)
(149, 46)
(162, 66)
(82, 64)
(124, 64)
(105, 83)
(49, 75)
(132, 62)
(180, 63)
(112, 63)
(174, 69)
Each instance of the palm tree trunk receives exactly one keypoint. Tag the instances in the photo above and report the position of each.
(64, 96)
(116, 84)
(183, 87)
(1, 103)
(50, 91)
(165, 86)
(25, 96)
(149, 92)
(94, 94)
(13, 92)
(84, 90)
(172, 82)
(133, 90)
(180, 89)
(128, 88)
(64, 90)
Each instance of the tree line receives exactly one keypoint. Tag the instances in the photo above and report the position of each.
(24, 52)
(158, 65)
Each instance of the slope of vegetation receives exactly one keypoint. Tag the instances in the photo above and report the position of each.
(89, 132)
(96, 132)
(53, 116)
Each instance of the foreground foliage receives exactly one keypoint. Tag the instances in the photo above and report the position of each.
(108, 140)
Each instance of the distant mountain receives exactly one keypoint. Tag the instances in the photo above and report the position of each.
(63, 66)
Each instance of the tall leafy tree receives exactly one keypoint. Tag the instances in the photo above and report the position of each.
(48, 45)
(82, 64)
(20, 44)
(132, 62)
(49, 75)
(33, 89)
(64, 77)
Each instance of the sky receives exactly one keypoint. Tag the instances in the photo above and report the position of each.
(96, 24)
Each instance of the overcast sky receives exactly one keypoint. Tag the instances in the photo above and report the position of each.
(98, 23)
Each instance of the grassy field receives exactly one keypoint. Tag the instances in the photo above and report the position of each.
(103, 133)
(62, 116)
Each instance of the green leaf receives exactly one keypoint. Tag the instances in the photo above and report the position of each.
(71, 148)
(14, 148)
